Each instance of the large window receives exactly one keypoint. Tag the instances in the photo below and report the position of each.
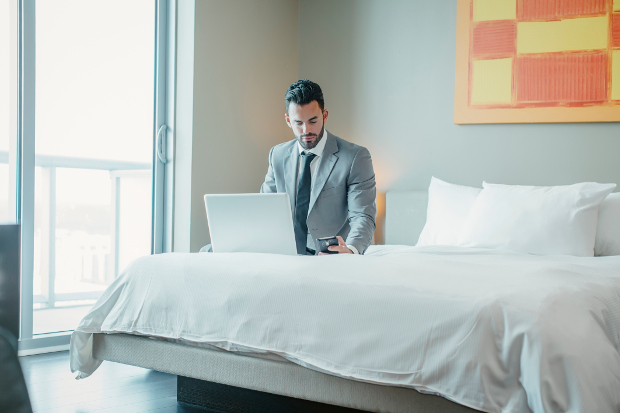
(93, 151)
(83, 166)
(8, 51)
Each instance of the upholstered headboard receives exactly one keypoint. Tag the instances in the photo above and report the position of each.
(405, 216)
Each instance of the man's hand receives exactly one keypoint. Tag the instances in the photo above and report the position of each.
(341, 248)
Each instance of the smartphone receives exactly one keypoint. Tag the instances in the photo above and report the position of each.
(325, 242)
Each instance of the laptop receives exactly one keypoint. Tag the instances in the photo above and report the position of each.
(251, 223)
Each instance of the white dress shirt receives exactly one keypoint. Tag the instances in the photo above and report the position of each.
(314, 164)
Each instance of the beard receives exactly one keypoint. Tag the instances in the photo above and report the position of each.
(311, 144)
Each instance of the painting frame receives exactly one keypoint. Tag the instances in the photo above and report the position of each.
(466, 113)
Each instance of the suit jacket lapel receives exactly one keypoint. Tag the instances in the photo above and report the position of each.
(290, 174)
(327, 163)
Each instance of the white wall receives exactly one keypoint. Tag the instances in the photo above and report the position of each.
(245, 57)
(387, 73)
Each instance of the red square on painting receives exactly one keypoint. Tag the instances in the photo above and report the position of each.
(557, 9)
(561, 78)
(615, 30)
(494, 39)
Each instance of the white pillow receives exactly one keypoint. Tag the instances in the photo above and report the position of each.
(448, 207)
(608, 229)
(553, 220)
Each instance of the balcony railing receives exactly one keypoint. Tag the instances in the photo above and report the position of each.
(99, 254)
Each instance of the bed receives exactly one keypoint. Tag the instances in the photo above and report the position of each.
(401, 329)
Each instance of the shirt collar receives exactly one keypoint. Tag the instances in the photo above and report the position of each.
(318, 149)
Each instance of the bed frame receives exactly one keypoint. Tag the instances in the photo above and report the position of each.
(405, 216)
(222, 381)
(226, 382)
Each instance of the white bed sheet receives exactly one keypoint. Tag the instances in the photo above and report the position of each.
(494, 330)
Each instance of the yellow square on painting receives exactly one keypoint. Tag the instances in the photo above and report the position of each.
(491, 82)
(615, 75)
(616, 4)
(585, 33)
(495, 10)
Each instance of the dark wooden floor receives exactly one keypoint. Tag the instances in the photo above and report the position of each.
(113, 387)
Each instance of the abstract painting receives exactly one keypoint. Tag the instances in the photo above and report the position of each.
(520, 61)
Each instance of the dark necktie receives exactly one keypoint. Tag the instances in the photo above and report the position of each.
(302, 202)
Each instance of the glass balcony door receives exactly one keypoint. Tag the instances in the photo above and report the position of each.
(93, 151)
(8, 93)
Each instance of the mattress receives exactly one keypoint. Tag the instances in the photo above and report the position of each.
(496, 331)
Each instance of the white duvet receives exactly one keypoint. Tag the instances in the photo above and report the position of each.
(496, 331)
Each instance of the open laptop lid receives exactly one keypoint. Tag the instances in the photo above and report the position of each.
(251, 223)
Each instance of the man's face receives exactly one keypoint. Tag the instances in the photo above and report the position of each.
(307, 123)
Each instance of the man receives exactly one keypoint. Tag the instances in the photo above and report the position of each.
(330, 182)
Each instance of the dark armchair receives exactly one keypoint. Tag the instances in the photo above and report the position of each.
(13, 392)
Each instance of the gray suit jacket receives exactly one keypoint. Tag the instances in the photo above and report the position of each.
(343, 195)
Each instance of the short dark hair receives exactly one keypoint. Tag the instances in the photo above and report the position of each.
(303, 92)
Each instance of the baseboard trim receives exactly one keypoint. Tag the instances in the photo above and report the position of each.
(42, 350)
